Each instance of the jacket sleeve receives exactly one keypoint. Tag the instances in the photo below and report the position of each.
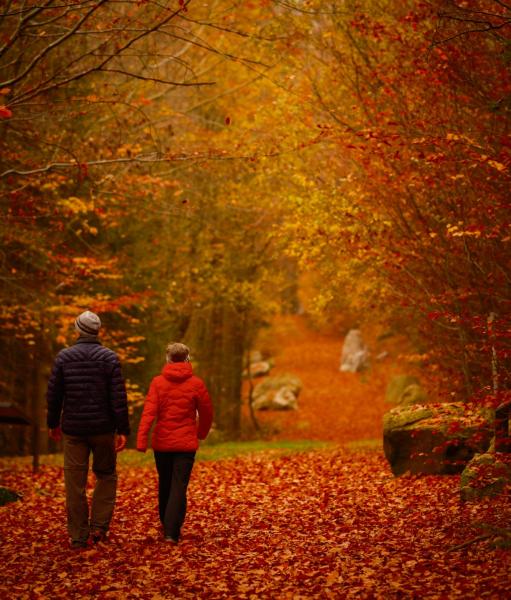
(119, 399)
(55, 396)
(148, 416)
(205, 410)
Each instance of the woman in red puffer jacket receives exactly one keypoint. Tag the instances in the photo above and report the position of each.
(174, 400)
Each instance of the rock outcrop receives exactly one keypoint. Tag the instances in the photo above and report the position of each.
(413, 394)
(258, 369)
(485, 475)
(355, 355)
(277, 393)
(397, 385)
(433, 439)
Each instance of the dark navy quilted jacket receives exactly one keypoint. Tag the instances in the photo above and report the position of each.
(86, 387)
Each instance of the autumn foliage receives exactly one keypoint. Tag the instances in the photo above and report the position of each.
(181, 168)
(411, 218)
(172, 166)
(330, 524)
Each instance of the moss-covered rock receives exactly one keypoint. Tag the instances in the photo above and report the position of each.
(413, 394)
(433, 439)
(402, 417)
(486, 475)
(397, 385)
(7, 495)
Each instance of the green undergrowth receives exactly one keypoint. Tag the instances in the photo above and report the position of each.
(359, 445)
(226, 450)
(207, 452)
(221, 451)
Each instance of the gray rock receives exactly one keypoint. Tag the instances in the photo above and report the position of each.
(433, 439)
(281, 399)
(355, 355)
(285, 399)
(277, 382)
(258, 369)
(277, 393)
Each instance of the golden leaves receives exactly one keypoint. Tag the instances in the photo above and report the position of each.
(76, 206)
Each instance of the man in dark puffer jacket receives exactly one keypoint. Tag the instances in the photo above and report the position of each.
(86, 393)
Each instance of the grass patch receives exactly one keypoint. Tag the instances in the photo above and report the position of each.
(226, 450)
(278, 447)
(359, 445)
(221, 451)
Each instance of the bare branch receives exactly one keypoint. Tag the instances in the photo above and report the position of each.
(50, 84)
(469, 31)
(209, 48)
(242, 34)
(156, 157)
(50, 47)
(21, 22)
(478, 538)
(156, 80)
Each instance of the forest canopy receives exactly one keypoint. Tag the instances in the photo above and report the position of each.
(175, 166)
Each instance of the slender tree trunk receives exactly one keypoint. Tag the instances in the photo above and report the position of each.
(217, 340)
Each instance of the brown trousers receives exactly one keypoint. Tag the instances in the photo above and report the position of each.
(77, 450)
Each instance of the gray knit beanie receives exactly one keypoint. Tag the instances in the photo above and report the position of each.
(88, 324)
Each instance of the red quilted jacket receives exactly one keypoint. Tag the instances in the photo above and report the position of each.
(174, 399)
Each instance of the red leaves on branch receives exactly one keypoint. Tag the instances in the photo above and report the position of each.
(5, 113)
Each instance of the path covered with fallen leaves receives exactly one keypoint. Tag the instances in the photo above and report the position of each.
(333, 406)
(329, 524)
(326, 524)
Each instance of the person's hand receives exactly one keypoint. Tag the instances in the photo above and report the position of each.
(55, 434)
(141, 449)
(120, 442)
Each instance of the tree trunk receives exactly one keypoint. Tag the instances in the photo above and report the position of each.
(217, 340)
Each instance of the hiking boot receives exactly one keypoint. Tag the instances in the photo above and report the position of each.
(98, 535)
(78, 545)
(169, 538)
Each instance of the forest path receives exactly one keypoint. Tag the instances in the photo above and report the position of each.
(329, 524)
(332, 406)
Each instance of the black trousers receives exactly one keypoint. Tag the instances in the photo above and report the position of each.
(174, 470)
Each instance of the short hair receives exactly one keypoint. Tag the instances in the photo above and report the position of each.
(177, 352)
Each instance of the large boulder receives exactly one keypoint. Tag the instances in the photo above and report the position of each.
(413, 394)
(433, 439)
(397, 385)
(485, 475)
(355, 355)
(277, 393)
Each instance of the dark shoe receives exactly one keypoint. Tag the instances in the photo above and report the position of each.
(98, 535)
(169, 538)
(78, 545)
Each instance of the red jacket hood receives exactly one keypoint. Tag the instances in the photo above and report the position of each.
(178, 371)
